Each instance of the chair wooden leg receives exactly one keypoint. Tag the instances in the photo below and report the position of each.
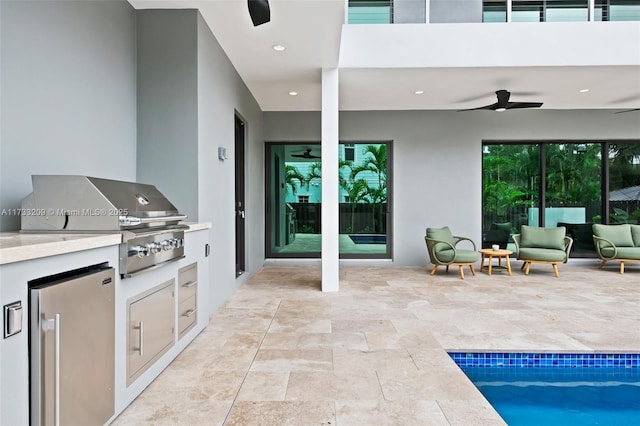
(524, 263)
(461, 268)
(447, 269)
(433, 271)
(621, 267)
(473, 272)
(555, 270)
(526, 270)
(602, 264)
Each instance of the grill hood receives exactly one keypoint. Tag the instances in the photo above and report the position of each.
(82, 203)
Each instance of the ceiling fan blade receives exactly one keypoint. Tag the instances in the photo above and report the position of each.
(259, 11)
(517, 105)
(627, 110)
(490, 107)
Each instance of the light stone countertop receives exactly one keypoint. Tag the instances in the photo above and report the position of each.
(17, 246)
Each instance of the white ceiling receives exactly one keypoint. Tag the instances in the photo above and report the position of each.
(311, 31)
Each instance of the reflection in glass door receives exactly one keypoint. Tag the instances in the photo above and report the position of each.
(294, 199)
(364, 193)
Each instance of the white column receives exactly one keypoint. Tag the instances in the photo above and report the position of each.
(329, 152)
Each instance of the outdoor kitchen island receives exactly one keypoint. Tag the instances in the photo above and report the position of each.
(185, 281)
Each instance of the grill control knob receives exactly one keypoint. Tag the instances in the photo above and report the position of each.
(154, 248)
(141, 251)
(167, 245)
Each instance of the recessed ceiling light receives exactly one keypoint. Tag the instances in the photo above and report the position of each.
(293, 93)
(278, 47)
(583, 90)
(419, 92)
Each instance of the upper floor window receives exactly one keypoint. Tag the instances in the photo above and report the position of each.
(560, 10)
(370, 11)
(616, 10)
(349, 152)
(494, 11)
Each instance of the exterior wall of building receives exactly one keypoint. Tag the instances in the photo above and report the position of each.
(68, 94)
(437, 162)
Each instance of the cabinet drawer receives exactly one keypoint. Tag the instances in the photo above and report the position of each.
(187, 315)
(187, 282)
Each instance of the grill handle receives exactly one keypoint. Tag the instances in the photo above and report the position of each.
(133, 221)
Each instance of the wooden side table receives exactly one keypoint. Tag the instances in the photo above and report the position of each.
(490, 253)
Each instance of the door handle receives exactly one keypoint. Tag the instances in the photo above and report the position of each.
(53, 324)
(241, 213)
(140, 347)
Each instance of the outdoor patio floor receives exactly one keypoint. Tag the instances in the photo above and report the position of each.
(281, 352)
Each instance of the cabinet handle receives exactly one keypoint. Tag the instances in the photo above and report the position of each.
(56, 371)
(140, 327)
(189, 313)
(189, 284)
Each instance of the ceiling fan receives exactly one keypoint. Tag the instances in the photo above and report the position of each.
(306, 154)
(503, 103)
(627, 110)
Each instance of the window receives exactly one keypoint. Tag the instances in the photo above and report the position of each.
(527, 11)
(559, 184)
(370, 11)
(349, 152)
(494, 11)
(293, 197)
(617, 10)
(365, 219)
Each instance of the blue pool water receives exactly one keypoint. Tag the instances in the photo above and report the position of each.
(558, 389)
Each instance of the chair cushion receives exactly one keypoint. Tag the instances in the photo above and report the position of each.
(635, 234)
(441, 234)
(542, 254)
(619, 235)
(546, 238)
(461, 256)
(622, 252)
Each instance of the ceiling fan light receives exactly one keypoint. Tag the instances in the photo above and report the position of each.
(500, 109)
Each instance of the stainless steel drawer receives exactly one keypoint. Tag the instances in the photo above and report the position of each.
(187, 282)
(187, 315)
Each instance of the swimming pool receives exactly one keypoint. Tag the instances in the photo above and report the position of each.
(557, 389)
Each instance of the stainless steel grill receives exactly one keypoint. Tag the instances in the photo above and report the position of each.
(147, 221)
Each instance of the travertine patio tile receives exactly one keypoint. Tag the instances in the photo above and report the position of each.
(346, 340)
(264, 386)
(394, 360)
(293, 360)
(285, 413)
(405, 413)
(330, 386)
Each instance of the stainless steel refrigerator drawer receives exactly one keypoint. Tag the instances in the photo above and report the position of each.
(150, 333)
(72, 353)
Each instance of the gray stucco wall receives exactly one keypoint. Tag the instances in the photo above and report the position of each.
(188, 96)
(68, 94)
(167, 150)
(464, 11)
(437, 159)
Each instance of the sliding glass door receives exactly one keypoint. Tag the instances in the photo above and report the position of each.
(294, 200)
(554, 184)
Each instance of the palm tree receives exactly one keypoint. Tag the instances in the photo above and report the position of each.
(293, 177)
(375, 161)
